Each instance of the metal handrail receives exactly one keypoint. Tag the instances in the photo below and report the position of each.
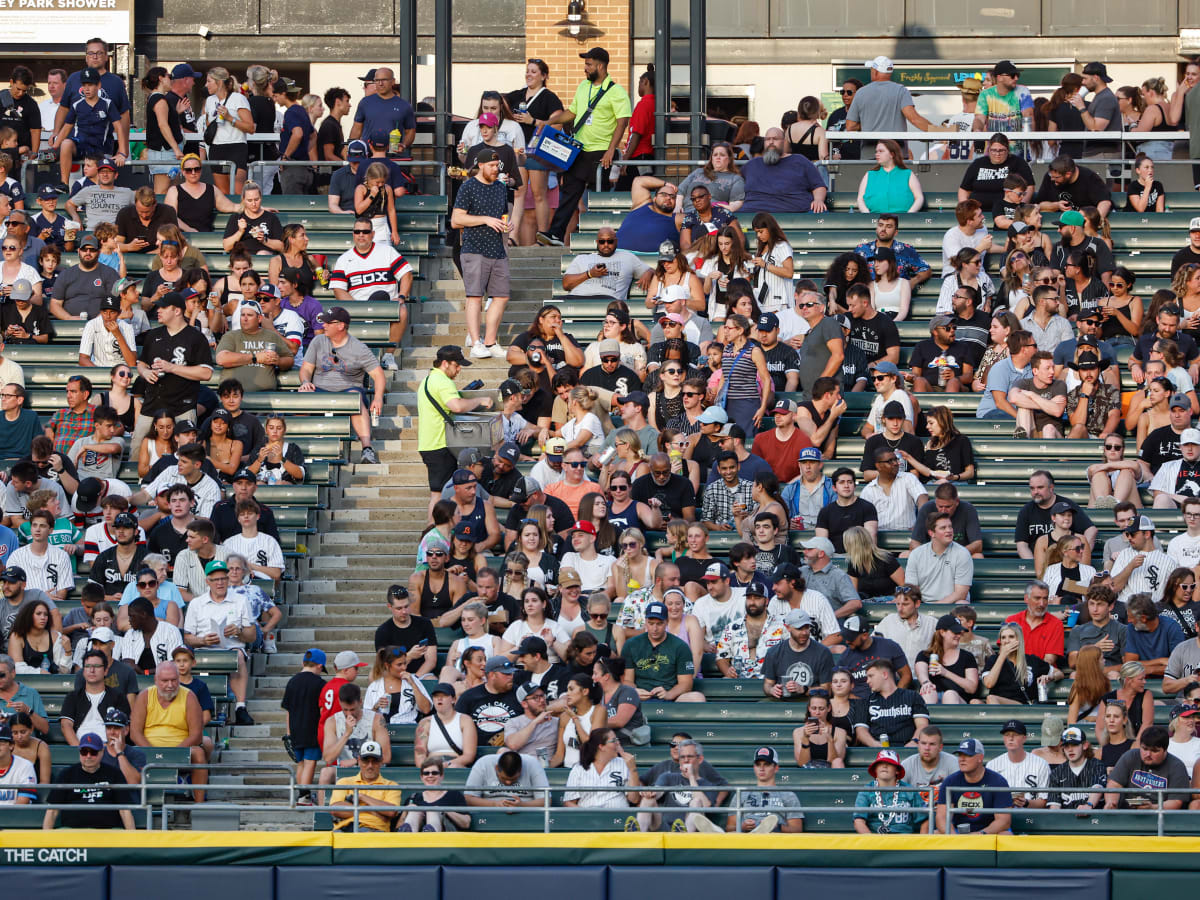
(647, 162)
(337, 164)
(135, 163)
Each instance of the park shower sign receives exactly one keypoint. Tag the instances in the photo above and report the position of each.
(58, 22)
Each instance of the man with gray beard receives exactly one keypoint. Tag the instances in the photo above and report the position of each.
(168, 715)
(779, 182)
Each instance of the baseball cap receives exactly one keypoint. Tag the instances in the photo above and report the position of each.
(463, 476)
(766, 754)
(1071, 217)
(88, 494)
(949, 622)
(378, 138)
(733, 430)
(797, 618)
(13, 573)
(672, 317)
(5, 731)
(223, 414)
(1015, 725)
(509, 387)
(638, 397)
(1189, 436)
(853, 626)
(656, 609)
(90, 241)
(183, 70)
(784, 405)
(886, 366)
(469, 456)
(757, 588)
(1194, 225)
(89, 76)
(886, 755)
(784, 570)
(123, 285)
(315, 655)
(442, 688)
(1183, 709)
(1062, 506)
(171, 298)
(370, 76)
(103, 635)
(555, 448)
(23, 290)
(487, 156)
(879, 64)
(499, 664)
(1052, 729)
(524, 489)
(347, 659)
(48, 192)
(339, 314)
(768, 322)
(1180, 401)
(489, 119)
(183, 648)
(370, 750)
(585, 527)
(939, 322)
(1017, 228)
(108, 303)
(970, 747)
(1005, 67)
(1145, 523)
(714, 415)
(91, 741)
(357, 150)
(609, 348)
(597, 53)
(532, 644)
(843, 320)
(1099, 70)
(810, 453)
(107, 162)
(114, 716)
(715, 571)
(244, 475)
(528, 688)
(667, 251)
(1073, 735)
(125, 520)
(509, 451)
(893, 409)
(265, 290)
(824, 544)
(217, 565)
(449, 353)
(568, 577)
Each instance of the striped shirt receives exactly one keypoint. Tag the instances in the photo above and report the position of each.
(1148, 578)
(614, 775)
(1031, 772)
(741, 374)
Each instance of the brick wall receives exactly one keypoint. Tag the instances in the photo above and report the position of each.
(543, 41)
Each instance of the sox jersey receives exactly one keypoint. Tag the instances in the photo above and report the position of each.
(380, 269)
(50, 572)
(1031, 772)
(1148, 578)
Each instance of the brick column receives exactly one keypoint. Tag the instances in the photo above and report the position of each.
(543, 41)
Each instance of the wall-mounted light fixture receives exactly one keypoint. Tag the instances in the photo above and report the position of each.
(577, 25)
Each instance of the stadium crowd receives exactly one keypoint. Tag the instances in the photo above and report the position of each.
(571, 559)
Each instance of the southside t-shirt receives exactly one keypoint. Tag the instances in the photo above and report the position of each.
(892, 715)
(188, 347)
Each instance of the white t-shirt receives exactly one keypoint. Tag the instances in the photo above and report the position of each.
(715, 615)
(1186, 753)
(207, 491)
(260, 550)
(14, 782)
(816, 605)
(207, 616)
(519, 630)
(50, 572)
(226, 133)
(954, 240)
(875, 415)
(101, 346)
(162, 643)
(406, 712)
(590, 423)
(791, 324)
(593, 573)
(1186, 549)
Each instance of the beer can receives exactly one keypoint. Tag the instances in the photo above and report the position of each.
(1043, 692)
(885, 741)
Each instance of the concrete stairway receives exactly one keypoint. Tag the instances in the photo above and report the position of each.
(367, 538)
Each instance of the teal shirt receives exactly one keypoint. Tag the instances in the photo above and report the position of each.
(658, 666)
(905, 815)
(888, 191)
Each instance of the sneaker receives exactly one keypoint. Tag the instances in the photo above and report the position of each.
(631, 824)
(405, 827)
(304, 800)
(767, 825)
(388, 361)
(678, 826)
(497, 351)
(1106, 502)
(369, 456)
(703, 824)
(269, 645)
(242, 717)
(1020, 433)
(478, 351)
(548, 240)
(428, 828)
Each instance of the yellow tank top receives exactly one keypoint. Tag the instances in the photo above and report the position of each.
(166, 727)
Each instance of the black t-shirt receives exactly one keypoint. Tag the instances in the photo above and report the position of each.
(265, 226)
(562, 513)
(1002, 207)
(1007, 685)
(965, 520)
(960, 666)
(79, 815)
(509, 174)
(1087, 300)
(675, 495)
(781, 359)
(541, 108)
(106, 571)
(1033, 521)
(36, 321)
(909, 443)
(952, 458)
(836, 519)
(877, 582)
(554, 347)
(330, 132)
(926, 351)
(301, 699)
(874, 336)
(389, 634)
(1145, 343)
(553, 680)
(1088, 189)
(489, 711)
(130, 226)
(691, 571)
(985, 180)
(479, 199)
(1184, 256)
(856, 661)
(154, 279)
(22, 116)
(175, 394)
(892, 715)
(539, 405)
(1099, 250)
(224, 519)
(622, 381)
(1135, 190)
(705, 453)
(501, 486)
(1160, 447)
(164, 539)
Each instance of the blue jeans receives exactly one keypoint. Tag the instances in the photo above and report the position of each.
(997, 414)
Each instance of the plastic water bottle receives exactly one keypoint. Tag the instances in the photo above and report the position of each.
(174, 173)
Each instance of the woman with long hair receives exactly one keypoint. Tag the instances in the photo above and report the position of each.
(474, 625)
(127, 406)
(875, 572)
(1154, 118)
(1089, 687)
(1065, 117)
(394, 692)
(1186, 286)
(603, 761)
(1003, 325)
(745, 389)
(1016, 284)
(535, 620)
(948, 454)
(629, 459)
(720, 175)
(30, 747)
(164, 132)
(1011, 676)
(621, 701)
(1121, 312)
(474, 659)
(226, 106)
(1115, 477)
(675, 445)
(728, 261)
(748, 132)
(1114, 736)
(1084, 291)
(584, 425)
(684, 625)
(842, 700)
(532, 106)
(1155, 412)
(768, 499)
(262, 110)
(1045, 547)
(158, 443)
(890, 294)
(223, 450)
(773, 263)
(452, 739)
(947, 673)
(673, 279)
(34, 645)
(891, 186)
(968, 270)
(1067, 573)
(820, 742)
(593, 508)
(547, 326)
(584, 711)
(1133, 695)
(543, 515)
(1179, 601)
(1131, 105)
(806, 136)
(846, 270)
(1143, 193)
(1030, 215)
(634, 568)
(533, 546)
(295, 256)
(623, 511)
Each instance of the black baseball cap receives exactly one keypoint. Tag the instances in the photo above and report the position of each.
(452, 353)
(171, 298)
(13, 573)
(89, 76)
(334, 314)
(1015, 725)
(597, 53)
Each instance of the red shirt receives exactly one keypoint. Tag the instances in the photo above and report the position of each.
(783, 456)
(329, 704)
(643, 123)
(1047, 638)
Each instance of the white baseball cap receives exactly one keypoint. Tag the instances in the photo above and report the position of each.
(880, 64)
(1194, 225)
(1189, 436)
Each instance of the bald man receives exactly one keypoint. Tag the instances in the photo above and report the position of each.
(607, 272)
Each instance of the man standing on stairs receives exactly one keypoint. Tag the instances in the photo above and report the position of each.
(375, 272)
(335, 363)
(481, 212)
(438, 400)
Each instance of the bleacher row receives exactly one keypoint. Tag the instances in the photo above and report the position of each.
(318, 423)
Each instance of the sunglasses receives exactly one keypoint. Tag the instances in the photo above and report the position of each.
(880, 377)
(187, 169)
(630, 545)
(151, 583)
(435, 553)
(123, 373)
(1188, 587)
(598, 615)
(806, 305)
(692, 394)
(363, 231)
(576, 465)
(600, 241)
(673, 371)
(514, 572)
(618, 487)
(844, 92)
(88, 751)
(1114, 446)
(12, 247)
(432, 773)
(607, 359)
